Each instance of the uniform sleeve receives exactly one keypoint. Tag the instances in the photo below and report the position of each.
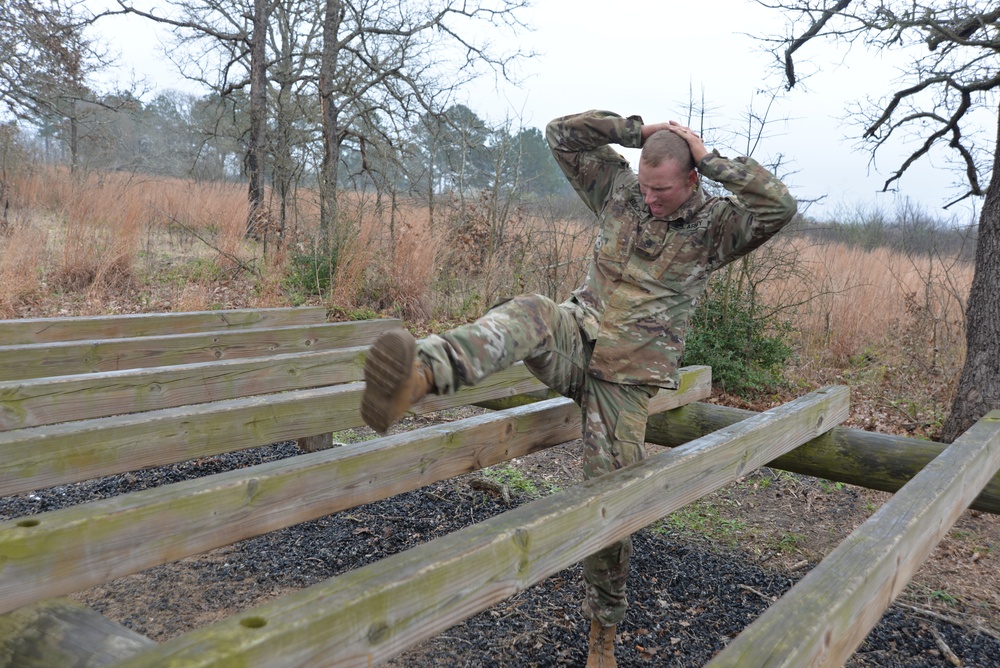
(579, 144)
(760, 207)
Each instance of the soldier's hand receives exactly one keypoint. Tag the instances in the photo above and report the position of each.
(649, 130)
(698, 150)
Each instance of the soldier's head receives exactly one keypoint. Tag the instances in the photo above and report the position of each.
(667, 175)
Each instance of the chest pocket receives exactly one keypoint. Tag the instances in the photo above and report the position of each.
(676, 254)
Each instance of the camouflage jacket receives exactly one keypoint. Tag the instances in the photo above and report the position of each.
(647, 274)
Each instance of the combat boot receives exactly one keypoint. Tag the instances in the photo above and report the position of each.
(394, 379)
(602, 646)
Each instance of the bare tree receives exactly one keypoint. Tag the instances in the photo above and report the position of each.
(235, 39)
(45, 65)
(395, 60)
(955, 70)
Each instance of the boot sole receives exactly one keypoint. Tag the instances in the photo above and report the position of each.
(388, 365)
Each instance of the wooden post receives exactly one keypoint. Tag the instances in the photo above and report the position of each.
(823, 619)
(56, 454)
(71, 357)
(372, 613)
(66, 550)
(61, 633)
(50, 330)
(854, 456)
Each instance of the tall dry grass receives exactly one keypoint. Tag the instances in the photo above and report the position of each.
(851, 300)
(22, 255)
(101, 233)
(97, 226)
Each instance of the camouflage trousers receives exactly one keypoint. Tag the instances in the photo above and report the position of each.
(547, 337)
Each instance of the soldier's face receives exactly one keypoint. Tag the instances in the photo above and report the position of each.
(665, 187)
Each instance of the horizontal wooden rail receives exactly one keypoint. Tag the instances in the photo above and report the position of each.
(372, 613)
(56, 454)
(50, 330)
(41, 401)
(854, 456)
(824, 618)
(72, 357)
(61, 633)
(66, 550)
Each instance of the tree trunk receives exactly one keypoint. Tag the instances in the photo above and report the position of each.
(256, 222)
(331, 131)
(979, 385)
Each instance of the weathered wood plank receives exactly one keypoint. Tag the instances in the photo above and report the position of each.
(56, 454)
(695, 380)
(172, 522)
(50, 330)
(41, 401)
(824, 618)
(59, 552)
(868, 459)
(374, 612)
(61, 633)
(72, 357)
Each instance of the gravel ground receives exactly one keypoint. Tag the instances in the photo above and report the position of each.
(687, 599)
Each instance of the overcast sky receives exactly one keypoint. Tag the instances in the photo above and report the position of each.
(646, 56)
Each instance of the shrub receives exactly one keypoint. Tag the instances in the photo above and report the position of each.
(744, 343)
(311, 272)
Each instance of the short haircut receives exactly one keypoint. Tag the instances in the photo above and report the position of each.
(666, 145)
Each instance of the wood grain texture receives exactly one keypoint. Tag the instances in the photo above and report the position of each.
(823, 619)
(59, 552)
(41, 401)
(56, 454)
(61, 633)
(373, 613)
(854, 456)
(22, 362)
(49, 330)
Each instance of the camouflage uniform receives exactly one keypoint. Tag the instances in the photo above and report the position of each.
(620, 336)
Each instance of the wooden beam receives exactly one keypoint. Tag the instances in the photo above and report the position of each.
(854, 456)
(824, 618)
(41, 401)
(62, 551)
(372, 613)
(72, 357)
(50, 330)
(61, 633)
(57, 454)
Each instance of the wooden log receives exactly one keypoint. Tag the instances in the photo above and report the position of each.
(41, 401)
(61, 633)
(372, 613)
(854, 456)
(62, 551)
(50, 330)
(695, 380)
(56, 454)
(824, 618)
(72, 357)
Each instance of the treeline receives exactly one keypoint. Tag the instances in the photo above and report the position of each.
(332, 96)
(186, 136)
(907, 228)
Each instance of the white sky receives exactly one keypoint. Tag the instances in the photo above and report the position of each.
(645, 56)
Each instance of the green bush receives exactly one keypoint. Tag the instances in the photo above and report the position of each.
(737, 336)
(311, 273)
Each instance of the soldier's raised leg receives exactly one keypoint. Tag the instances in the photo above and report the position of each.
(399, 372)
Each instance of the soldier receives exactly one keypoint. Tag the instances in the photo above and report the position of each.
(620, 336)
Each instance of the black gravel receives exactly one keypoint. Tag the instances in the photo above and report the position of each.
(687, 601)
